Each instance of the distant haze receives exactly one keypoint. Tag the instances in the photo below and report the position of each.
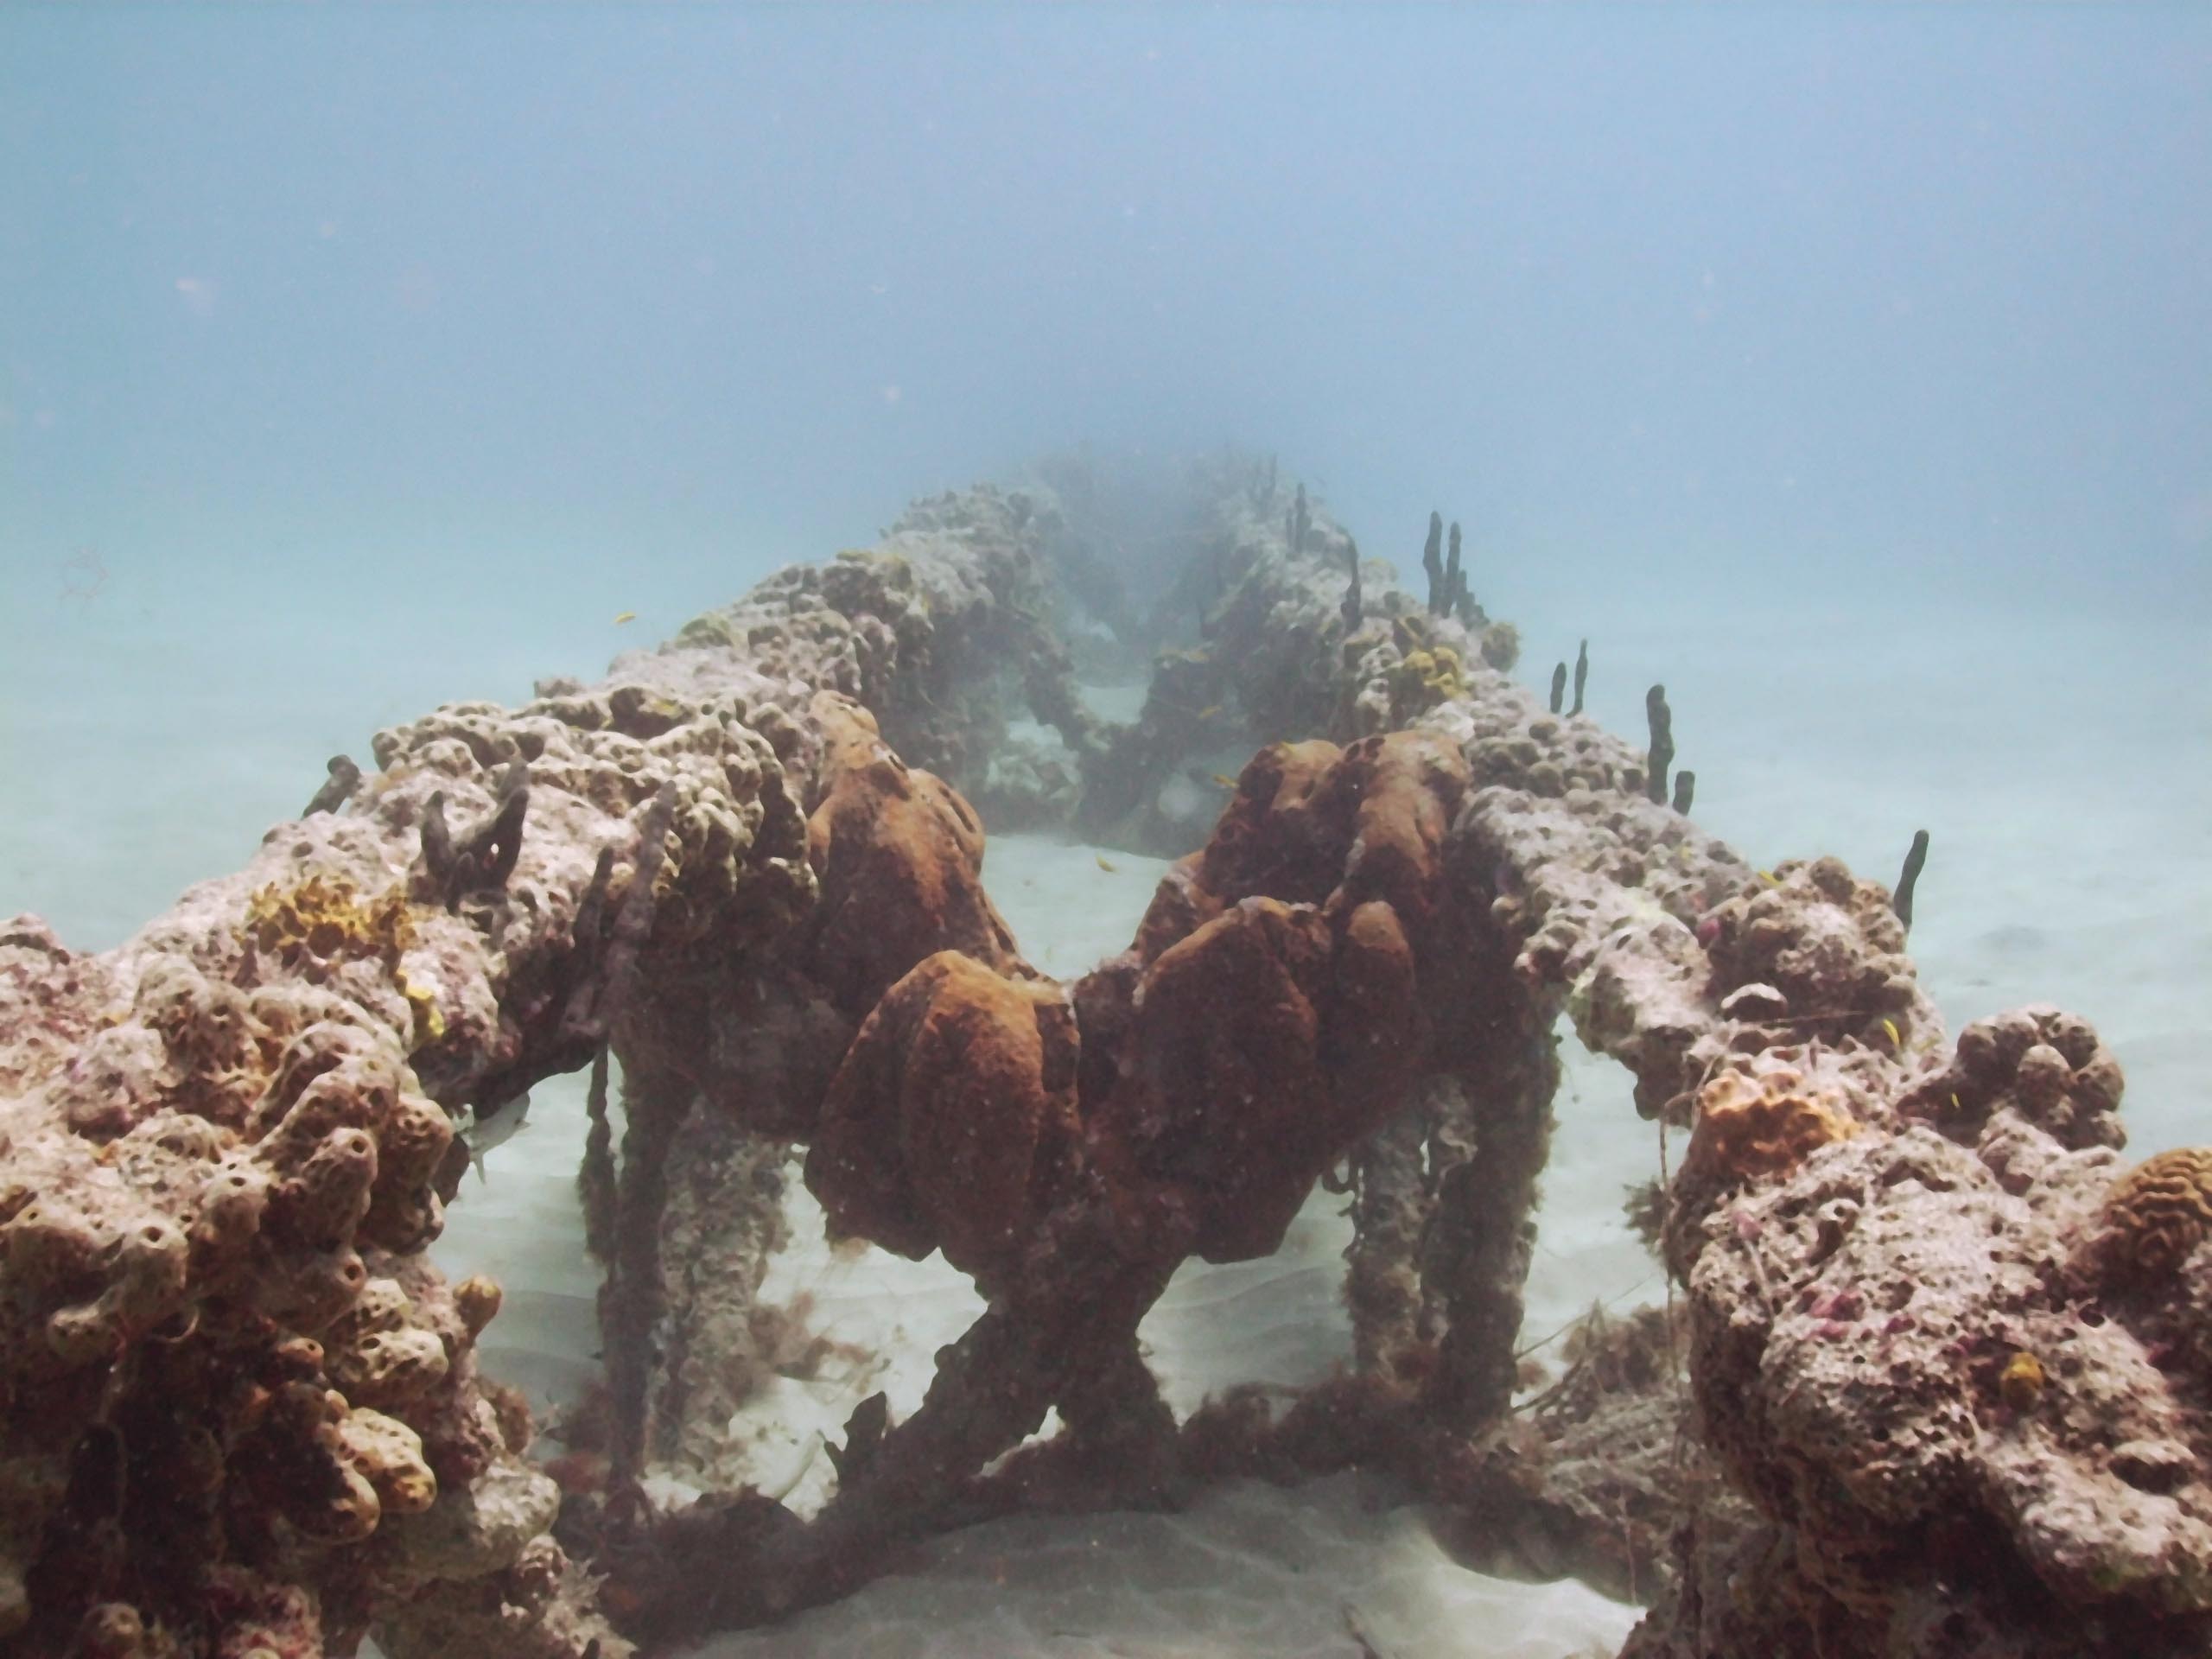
(1765, 296)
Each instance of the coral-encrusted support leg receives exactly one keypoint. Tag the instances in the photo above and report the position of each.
(1391, 1212)
(1477, 1263)
(630, 1301)
(722, 1224)
(1122, 1428)
(1067, 1338)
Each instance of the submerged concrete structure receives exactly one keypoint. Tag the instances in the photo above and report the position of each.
(1936, 1383)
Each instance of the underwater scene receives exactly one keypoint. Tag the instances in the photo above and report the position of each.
(1361, 831)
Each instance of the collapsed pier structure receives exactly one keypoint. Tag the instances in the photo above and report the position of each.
(1936, 1377)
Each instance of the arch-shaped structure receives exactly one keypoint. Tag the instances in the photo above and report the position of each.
(1946, 1360)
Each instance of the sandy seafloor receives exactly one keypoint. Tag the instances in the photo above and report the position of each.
(149, 735)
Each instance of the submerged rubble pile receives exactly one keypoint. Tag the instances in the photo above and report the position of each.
(1937, 1381)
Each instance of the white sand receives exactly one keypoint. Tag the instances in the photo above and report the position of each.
(147, 739)
(1247, 1570)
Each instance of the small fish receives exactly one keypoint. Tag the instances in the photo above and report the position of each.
(1224, 780)
(1105, 863)
(507, 1122)
(1211, 712)
(621, 617)
(1895, 1041)
(1770, 878)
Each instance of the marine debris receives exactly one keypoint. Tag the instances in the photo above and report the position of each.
(1935, 1382)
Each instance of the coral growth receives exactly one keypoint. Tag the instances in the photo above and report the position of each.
(2035, 1068)
(1238, 1012)
(1827, 944)
(952, 1123)
(1424, 679)
(1947, 1363)
(1759, 1123)
(320, 921)
(899, 855)
(2156, 1216)
(243, 1408)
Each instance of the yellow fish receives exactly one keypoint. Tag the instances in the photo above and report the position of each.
(1102, 863)
(1209, 712)
(625, 616)
(1895, 1041)
(1770, 878)
(1224, 780)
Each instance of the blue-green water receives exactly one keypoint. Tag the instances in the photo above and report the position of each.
(1847, 369)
